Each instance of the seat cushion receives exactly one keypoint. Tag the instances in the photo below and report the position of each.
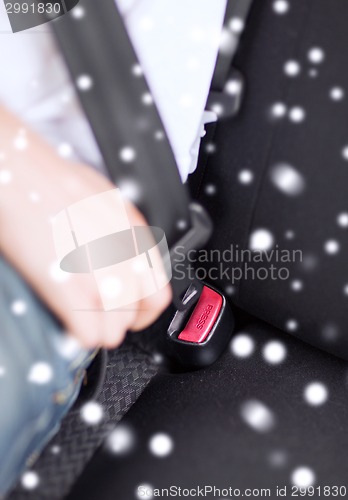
(272, 411)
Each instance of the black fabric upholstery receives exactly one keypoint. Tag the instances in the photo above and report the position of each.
(213, 445)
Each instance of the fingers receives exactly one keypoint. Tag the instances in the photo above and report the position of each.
(108, 328)
(151, 308)
(100, 328)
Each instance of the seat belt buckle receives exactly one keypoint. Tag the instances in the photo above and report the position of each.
(226, 103)
(196, 337)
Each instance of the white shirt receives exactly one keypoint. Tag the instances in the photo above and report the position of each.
(177, 44)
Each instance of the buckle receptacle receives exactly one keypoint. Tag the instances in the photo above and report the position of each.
(197, 336)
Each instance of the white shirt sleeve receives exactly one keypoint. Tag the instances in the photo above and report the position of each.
(176, 43)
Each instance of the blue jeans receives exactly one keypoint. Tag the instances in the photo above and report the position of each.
(39, 379)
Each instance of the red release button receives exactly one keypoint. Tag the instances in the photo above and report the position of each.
(203, 317)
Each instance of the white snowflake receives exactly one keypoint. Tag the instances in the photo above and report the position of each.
(281, 6)
(20, 142)
(186, 100)
(337, 93)
(278, 110)
(287, 179)
(161, 445)
(130, 189)
(332, 247)
(146, 23)
(19, 307)
(137, 70)
(227, 42)
(120, 441)
(342, 219)
(193, 64)
(303, 477)
(292, 68)
(297, 114)
(291, 325)
(316, 394)
(310, 262)
(84, 83)
(57, 274)
(210, 148)
(210, 189)
(127, 154)
(230, 290)
(296, 285)
(316, 55)
(40, 373)
(261, 240)
(217, 108)
(5, 176)
(289, 235)
(258, 416)
(34, 197)
(55, 449)
(313, 73)
(30, 480)
(278, 458)
(65, 150)
(78, 12)
(158, 358)
(242, 345)
(111, 287)
(147, 99)
(92, 413)
(233, 87)
(274, 352)
(144, 491)
(245, 176)
(236, 25)
(67, 346)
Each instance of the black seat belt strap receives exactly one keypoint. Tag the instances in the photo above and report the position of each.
(120, 109)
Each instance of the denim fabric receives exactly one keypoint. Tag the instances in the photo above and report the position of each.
(40, 375)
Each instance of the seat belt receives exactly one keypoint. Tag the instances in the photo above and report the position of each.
(116, 114)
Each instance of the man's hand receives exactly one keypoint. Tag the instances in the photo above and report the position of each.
(38, 185)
